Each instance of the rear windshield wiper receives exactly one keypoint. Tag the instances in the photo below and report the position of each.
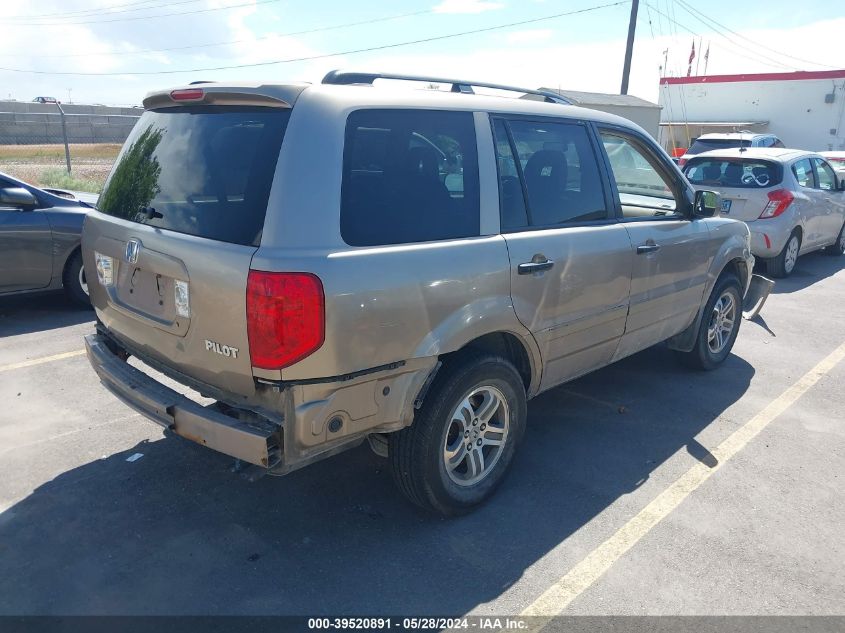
(150, 213)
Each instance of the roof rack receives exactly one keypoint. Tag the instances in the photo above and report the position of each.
(345, 78)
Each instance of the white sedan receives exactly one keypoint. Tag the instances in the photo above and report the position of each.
(792, 200)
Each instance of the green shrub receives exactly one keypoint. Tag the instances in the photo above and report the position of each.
(60, 179)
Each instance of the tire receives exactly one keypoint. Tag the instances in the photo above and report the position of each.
(418, 453)
(838, 247)
(709, 354)
(73, 281)
(783, 264)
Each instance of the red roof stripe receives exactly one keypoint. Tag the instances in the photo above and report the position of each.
(800, 75)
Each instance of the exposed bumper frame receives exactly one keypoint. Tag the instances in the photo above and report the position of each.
(252, 443)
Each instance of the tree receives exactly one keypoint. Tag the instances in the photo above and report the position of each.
(134, 182)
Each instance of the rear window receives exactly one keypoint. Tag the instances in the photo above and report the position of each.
(203, 170)
(742, 174)
(409, 176)
(706, 145)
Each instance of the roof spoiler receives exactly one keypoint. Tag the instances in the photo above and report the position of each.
(345, 78)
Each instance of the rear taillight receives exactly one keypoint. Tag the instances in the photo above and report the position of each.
(779, 200)
(682, 162)
(188, 94)
(286, 317)
(105, 269)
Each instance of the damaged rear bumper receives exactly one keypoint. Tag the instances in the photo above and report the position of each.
(256, 442)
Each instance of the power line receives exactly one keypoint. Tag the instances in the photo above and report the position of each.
(327, 55)
(732, 41)
(156, 4)
(738, 49)
(691, 9)
(145, 17)
(254, 39)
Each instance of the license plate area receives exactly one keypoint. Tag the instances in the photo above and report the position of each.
(148, 293)
(726, 205)
(145, 290)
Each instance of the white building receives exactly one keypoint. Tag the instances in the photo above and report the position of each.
(644, 113)
(804, 109)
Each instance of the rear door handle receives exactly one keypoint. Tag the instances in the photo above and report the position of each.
(534, 267)
(647, 248)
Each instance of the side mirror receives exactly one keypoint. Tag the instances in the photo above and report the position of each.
(840, 183)
(706, 204)
(17, 197)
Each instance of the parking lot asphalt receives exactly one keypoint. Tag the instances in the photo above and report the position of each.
(85, 531)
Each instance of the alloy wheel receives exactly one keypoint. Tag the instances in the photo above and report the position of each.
(476, 436)
(791, 254)
(722, 322)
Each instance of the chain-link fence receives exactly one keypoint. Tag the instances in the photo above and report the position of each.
(64, 146)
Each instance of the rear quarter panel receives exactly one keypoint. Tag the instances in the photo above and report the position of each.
(389, 304)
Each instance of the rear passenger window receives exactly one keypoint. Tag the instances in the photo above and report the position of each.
(827, 179)
(803, 171)
(559, 171)
(511, 199)
(643, 190)
(409, 176)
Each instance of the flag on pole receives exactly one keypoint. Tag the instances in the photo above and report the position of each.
(706, 57)
(691, 57)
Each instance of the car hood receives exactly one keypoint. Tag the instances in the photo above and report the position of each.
(83, 196)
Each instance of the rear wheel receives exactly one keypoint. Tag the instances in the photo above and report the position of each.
(75, 282)
(463, 438)
(838, 247)
(783, 263)
(719, 326)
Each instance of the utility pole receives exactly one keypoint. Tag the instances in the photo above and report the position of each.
(629, 48)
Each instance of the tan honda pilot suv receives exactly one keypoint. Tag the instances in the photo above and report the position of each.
(358, 260)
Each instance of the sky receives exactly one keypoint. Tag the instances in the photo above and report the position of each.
(122, 49)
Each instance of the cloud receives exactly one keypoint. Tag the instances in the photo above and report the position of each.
(467, 6)
(596, 66)
(533, 36)
(528, 57)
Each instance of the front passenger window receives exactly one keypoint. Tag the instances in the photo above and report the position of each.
(643, 190)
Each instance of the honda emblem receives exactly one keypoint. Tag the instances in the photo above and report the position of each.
(133, 247)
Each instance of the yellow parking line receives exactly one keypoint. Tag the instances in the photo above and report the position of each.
(42, 360)
(590, 569)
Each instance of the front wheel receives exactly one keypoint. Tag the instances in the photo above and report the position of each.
(459, 447)
(719, 326)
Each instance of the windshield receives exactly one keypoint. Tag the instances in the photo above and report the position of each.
(705, 145)
(202, 170)
(740, 173)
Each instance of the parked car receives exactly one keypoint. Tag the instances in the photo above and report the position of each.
(45, 100)
(727, 140)
(40, 233)
(837, 161)
(792, 200)
(334, 264)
